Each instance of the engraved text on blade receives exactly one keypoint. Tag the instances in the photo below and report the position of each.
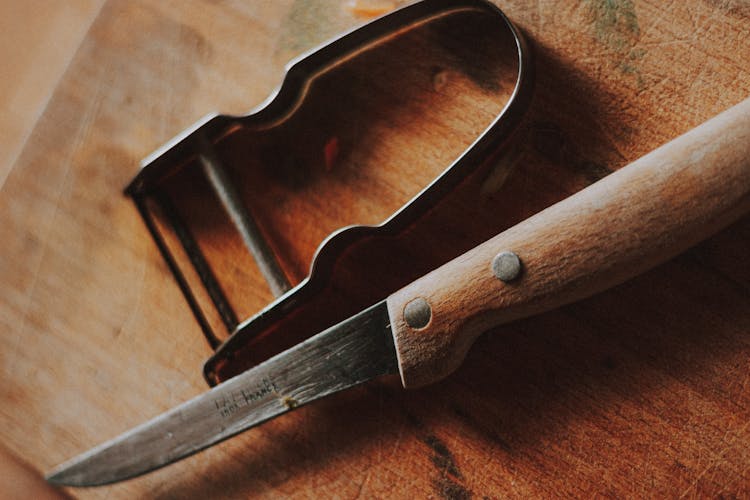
(230, 403)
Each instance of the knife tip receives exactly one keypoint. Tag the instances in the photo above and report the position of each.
(63, 476)
(74, 473)
(56, 478)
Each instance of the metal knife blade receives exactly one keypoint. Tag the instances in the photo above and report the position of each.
(347, 354)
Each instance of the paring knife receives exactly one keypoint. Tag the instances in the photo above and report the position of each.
(626, 223)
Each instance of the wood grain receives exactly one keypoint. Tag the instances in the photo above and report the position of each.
(620, 226)
(639, 391)
(39, 38)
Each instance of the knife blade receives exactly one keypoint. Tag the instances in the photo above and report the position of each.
(354, 351)
(620, 226)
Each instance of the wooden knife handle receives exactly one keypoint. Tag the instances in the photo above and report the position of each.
(624, 224)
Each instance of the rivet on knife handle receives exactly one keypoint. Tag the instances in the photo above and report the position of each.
(417, 313)
(623, 225)
(506, 266)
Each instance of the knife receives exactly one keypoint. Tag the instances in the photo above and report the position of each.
(622, 225)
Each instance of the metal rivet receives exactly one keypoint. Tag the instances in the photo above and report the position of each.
(417, 313)
(506, 266)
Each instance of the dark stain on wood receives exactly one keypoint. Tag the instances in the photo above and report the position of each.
(451, 490)
(443, 458)
(486, 431)
(446, 484)
(551, 142)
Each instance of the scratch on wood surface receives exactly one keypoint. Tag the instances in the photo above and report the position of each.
(742, 479)
(717, 459)
(61, 185)
(77, 18)
(539, 23)
(614, 19)
(364, 482)
(134, 312)
(743, 384)
(10, 355)
(707, 23)
(397, 442)
(739, 8)
(654, 21)
(305, 26)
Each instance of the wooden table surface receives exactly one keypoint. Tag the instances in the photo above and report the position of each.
(39, 38)
(639, 391)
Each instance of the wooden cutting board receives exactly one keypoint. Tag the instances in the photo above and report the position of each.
(640, 391)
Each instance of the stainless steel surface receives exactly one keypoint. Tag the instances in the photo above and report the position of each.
(506, 266)
(354, 351)
(243, 220)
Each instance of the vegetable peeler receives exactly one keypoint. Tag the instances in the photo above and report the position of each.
(220, 158)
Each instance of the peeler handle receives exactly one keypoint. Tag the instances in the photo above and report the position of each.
(628, 222)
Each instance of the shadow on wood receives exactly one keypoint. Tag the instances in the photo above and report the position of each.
(595, 370)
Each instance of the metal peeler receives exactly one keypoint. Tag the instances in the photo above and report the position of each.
(204, 152)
